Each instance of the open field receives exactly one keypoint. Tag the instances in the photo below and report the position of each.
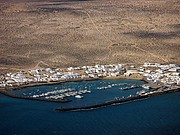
(63, 33)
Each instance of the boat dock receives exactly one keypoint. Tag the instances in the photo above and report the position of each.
(33, 98)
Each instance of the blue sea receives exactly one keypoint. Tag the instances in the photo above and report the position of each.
(155, 115)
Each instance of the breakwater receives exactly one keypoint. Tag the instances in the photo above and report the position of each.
(32, 98)
(118, 101)
(105, 104)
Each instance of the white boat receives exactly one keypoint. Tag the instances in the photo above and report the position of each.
(140, 92)
(78, 96)
(146, 87)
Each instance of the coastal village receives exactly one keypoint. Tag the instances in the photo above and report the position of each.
(159, 78)
(154, 73)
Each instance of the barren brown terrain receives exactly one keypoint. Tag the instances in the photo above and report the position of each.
(63, 33)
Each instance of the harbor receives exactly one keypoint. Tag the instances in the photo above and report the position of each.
(154, 113)
(77, 91)
(108, 84)
(79, 95)
(118, 100)
(106, 101)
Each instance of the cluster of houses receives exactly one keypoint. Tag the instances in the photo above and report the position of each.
(165, 74)
(35, 76)
(154, 72)
(98, 71)
(157, 73)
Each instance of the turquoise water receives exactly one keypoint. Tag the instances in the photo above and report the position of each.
(156, 115)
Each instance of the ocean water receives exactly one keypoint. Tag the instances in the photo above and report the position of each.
(156, 115)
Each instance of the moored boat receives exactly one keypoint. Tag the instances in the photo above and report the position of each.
(146, 86)
(78, 96)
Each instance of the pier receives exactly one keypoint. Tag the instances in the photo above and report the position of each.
(32, 98)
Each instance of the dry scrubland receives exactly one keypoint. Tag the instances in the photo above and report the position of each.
(63, 33)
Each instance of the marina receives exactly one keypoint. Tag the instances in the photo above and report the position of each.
(71, 91)
(141, 95)
(154, 113)
(105, 93)
(92, 82)
(132, 86)
(61, 94)
(33, 98)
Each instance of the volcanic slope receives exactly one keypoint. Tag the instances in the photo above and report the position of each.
(63, 33)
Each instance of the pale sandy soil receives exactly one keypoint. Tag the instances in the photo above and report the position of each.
(63, 33)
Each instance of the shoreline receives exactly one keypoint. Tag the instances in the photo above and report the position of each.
(65, 100)
(44, 83)
(70, 80)
(156, 91)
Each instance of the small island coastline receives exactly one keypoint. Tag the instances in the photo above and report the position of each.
(50, 76)
(70, 80)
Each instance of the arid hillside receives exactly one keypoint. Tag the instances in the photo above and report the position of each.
(63, 33)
